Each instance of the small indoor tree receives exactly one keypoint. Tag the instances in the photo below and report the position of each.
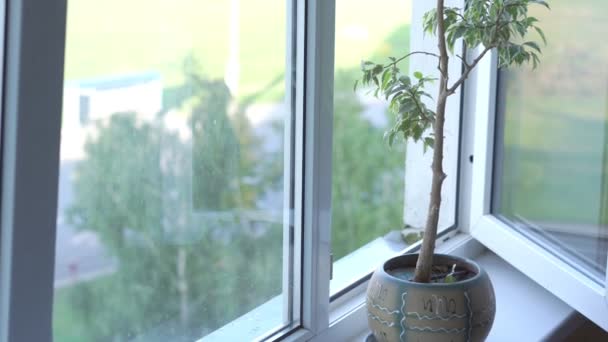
(503, 25)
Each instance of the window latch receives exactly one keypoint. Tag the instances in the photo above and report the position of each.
(331, 266)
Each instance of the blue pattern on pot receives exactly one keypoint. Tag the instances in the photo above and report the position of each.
(400, 310)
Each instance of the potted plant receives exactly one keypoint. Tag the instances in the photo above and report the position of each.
(428, 296)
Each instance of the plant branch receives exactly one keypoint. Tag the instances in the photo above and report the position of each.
(464, 61)
(425, 258)
(467, 71)
(410, 54)
(443, 50)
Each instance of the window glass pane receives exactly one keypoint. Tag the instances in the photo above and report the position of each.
(171, 199)
(552, 166)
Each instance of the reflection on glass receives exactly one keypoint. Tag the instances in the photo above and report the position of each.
(552, 171)
(171, 182)
(368, 177)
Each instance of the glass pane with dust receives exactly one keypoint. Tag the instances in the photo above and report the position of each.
(171, 199)
(551, 179)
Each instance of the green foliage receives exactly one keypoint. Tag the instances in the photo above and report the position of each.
(500, 24)
(215, 164)
(412, 117)
(121, 177)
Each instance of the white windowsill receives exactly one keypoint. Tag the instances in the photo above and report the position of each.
(525, 310)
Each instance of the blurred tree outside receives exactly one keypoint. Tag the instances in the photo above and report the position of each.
(367, 177)
(179, 265)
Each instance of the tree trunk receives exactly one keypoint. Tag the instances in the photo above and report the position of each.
(182, 288)
(425, 259)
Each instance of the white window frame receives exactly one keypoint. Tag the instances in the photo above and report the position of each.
(558, 277)
(315, 205)
(35, 39)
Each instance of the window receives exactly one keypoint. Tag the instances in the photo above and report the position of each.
(172, 190)
(202, 145)
(175, 181)
(553, 185)
(540, 138)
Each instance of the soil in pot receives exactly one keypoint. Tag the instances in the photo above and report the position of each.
(438, 275)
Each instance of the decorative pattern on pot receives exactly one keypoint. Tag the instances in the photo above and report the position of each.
(400, 310)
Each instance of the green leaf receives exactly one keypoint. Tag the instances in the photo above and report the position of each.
(532, 45)
(449, 279)
(418, 75)
(390, 136)
(407, 106)
(540, 2)
(426, 95)
(377, 69)
(365, 65)
(416, 132)
(386, 77)
(406, 81)
(541, 34)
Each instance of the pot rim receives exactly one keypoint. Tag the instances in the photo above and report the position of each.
(472, 264)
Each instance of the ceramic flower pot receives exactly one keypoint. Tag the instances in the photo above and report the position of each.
(402, 310)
